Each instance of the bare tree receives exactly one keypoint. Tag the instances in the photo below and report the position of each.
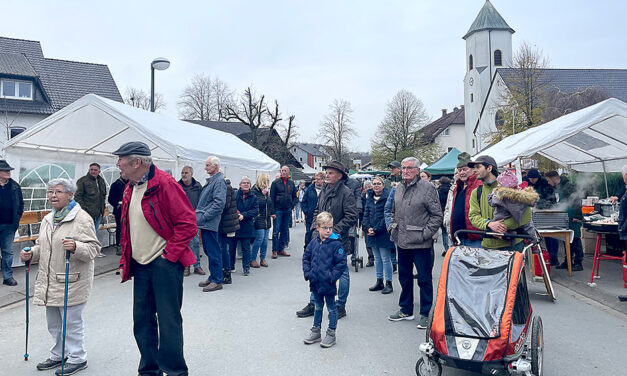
(138, 98)
(336, 129)
(396, 136)
(205, 99)
(254, 112)
(289, 132)
(560, 103)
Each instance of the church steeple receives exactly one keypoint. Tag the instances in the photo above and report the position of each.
(488, 19)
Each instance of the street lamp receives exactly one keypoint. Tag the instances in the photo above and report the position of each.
(160, 63)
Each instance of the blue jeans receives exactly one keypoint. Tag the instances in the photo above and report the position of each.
(471, 243)
(212, 249)
(382, 263)
(444, 238)
(97, 222)
(319, 302)
(393, 256)
(552, 246)
(342, 290)
(194, 244)
(260, 244)
(280, 233)
(7, 233)
(245, 247)
(297, 211)
(227, 246)
(423, 260)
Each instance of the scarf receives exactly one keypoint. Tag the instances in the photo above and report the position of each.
(60, 215)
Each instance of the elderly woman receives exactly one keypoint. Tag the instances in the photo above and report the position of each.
(66, 228)
(247, 210)
(263, 222)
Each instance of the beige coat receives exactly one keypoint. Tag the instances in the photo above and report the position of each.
(50, 254)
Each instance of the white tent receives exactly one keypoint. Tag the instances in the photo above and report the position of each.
(91, 128)
(593, 139)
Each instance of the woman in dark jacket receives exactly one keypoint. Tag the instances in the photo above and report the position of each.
(443, 190)
(263, 222)
(229, 224)
(247, 210)
(374, 222)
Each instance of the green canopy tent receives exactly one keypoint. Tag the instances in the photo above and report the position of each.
(446, 164)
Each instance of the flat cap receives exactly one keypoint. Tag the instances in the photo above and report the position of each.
(133, 148)
(4, 166)
(337, 166)
(484, 159)
(395, 164)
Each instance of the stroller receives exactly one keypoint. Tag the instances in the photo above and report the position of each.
(481, 319)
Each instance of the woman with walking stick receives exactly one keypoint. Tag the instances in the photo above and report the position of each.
(67, 228)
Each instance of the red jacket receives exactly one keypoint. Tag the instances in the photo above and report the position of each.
(473, 183)
(168, 212)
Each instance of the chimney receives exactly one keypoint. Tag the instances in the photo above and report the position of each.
(443, 112)
(455, 109)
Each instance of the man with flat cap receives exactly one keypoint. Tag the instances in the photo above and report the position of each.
(395, 174)
(481, 213)
(11, 208)
(158, 222)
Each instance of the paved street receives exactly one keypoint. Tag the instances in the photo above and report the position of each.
(250, 327)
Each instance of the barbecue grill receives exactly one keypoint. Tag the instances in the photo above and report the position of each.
(550, 219)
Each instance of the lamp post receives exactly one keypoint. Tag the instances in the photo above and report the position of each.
(160, 63)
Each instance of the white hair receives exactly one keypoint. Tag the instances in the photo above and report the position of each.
(246, 178)
(412, 159)
(145, 159)
(67, 184)
(624, 170)
(215, 161)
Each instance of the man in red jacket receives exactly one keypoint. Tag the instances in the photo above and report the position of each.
(460, 205)
(158, 222)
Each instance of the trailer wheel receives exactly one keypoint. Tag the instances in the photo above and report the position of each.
(537, 346)
(430, 368)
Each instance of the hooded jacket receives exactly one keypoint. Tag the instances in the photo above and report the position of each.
(48, 251)
(323, 264)
(509, 202)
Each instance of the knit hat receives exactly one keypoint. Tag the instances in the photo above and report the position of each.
(507, 179)
(533, 173)
(463, 159)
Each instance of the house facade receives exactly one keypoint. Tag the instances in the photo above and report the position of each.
(310, 155)
(448, 131)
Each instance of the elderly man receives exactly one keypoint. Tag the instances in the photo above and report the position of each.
(11, 208)
(91, 191)
(416, 218)
(283, 196)
(158, 222)
(337, 199)
(192, 190)
(481, 213)
(208, 215)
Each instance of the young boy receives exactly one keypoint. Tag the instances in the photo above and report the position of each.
(324, 262)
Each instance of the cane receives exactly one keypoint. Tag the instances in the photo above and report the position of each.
(27, 249)
(67, 276)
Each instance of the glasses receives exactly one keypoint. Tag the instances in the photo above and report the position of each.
(57, 193)
(377, 184)
(408, 168)
(325, 228)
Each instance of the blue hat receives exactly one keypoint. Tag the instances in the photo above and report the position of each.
(133, 148)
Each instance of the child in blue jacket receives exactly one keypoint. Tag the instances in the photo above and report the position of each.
(324, 262)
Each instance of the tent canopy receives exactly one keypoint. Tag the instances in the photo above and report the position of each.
(95, 126)
(593, 139)
(445, 165)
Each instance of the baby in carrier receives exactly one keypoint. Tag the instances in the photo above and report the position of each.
(508, 200)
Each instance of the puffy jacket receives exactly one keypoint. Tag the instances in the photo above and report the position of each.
(229, 221)
(374, 218)
(18, 203)
(192, 191)
(622, 216)
(48, 251)
(309, 203)
(266, 209)
(323, 264)
(168, 212)
(246, 206)
(211, 203)
(416, 214)
(283, 194)
(90, 194)
(473, 183)
(340, 202)
(116, 192)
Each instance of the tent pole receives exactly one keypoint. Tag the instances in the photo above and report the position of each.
(518, 170)
(607, 191)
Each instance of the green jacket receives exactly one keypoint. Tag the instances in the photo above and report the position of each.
(481, 212)
(390, 180)
(90, 194)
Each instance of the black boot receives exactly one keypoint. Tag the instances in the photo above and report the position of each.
(377, 286)
(307, 311)
(341, 312)
(226, 278)
(388, 288)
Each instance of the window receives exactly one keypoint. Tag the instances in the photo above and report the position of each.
(499, 118)
(300, 159)
(472, 98)
(16, 130)
(498, 60)
(473, 143)
(449, 149)
(447, 132)
(16, 89)
(470, 62)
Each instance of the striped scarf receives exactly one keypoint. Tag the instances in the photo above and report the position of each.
(60, 215)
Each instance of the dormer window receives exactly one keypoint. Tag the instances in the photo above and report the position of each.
(14, 89)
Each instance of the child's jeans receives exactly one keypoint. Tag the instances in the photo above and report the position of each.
(319, 301)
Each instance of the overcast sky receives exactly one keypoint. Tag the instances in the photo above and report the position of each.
(306, 53)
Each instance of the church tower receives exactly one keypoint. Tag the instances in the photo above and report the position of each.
(488, 47)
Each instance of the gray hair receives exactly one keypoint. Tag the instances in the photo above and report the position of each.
(624, 170)
(215, 161)
(67, 184)
(412, 159)
(190, 169)
(245, 178)
(145, 159)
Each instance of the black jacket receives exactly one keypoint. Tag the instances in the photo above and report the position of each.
(340, 202)
(18, 202)
(116, 192)
(622, 216)
(192, 191)
(309, 203)
(283, 194)
(229, 222)
(266, 209)
(546, 192)
(443, 193)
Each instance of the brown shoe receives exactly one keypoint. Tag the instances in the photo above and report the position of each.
(283, 253)
(274, 255)
(199, 270)
(263, 263)
(186, 272)
(254, 264)
(204, 283)
(212, 287)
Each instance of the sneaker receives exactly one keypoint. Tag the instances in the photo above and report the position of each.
(341, 312)
(307, 311)
(212, 287)
(99, 255)
(422, 323)
(577, 268)
(71, 368)
(9, 282)
(48, 364)
(314, 336)
(329, 339)
(398, 316)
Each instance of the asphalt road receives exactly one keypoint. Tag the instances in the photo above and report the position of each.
(250, 327)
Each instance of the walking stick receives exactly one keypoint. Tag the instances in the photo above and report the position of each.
(67, 276)
(27, 249)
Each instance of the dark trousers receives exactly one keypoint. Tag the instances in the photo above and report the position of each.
(281, 230)
(245, 245)
(576, 250)
(212, 249)
(552, 246)
(308, 223)
(118, 227)
(158, 292)
(227, 246)
(423, 260)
